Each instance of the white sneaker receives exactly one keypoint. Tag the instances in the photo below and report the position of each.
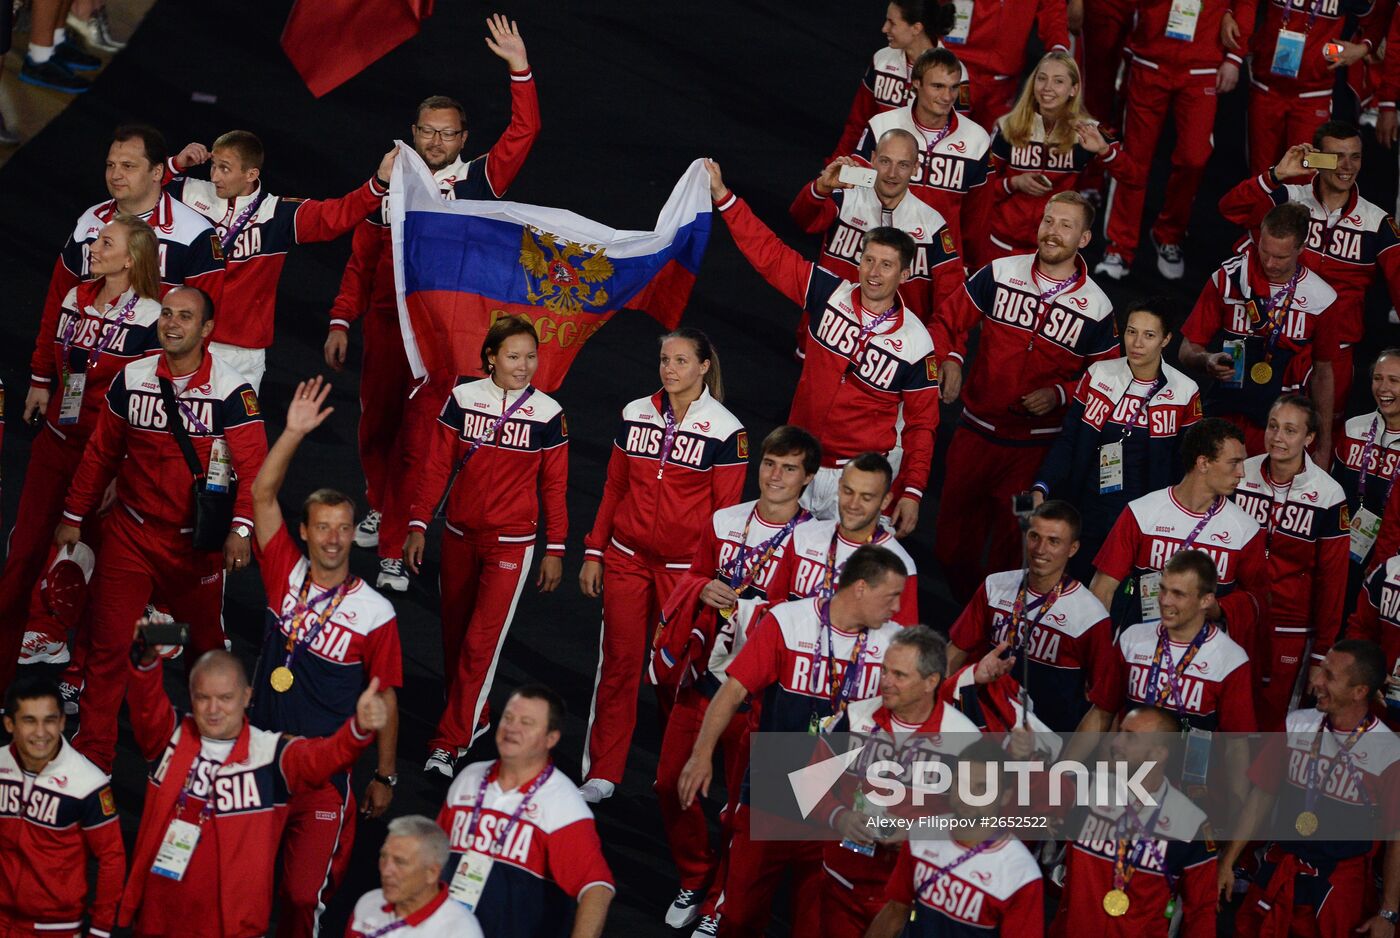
(392, 575)
(439, 761)
(38, 648)
(1111, 266)
(367, 531)
(1170, 262)
(708, 927)
(684, 908)
(97, 31)
(595, 790)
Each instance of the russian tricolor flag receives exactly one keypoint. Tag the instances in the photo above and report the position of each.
(459, 266)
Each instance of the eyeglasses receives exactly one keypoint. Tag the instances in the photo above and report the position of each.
(429, 133)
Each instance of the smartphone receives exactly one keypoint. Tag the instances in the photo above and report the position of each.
(860, 176)
(167, 633)
(1022, 504)
(1043, 179)
(1320, 161)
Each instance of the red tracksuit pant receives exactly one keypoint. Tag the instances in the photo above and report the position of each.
(849, 908)
(1152, 93)
(137, 561)
(21, 929)
(480, 583)
(980, 478)
(633, 590)
(385, 380)
(755, 871)
(1100, 47)
(418, 415)
(687, 831)
(316, 845)
(52, 463)
(1349, 903)
(1285, 661)
(1278, 121)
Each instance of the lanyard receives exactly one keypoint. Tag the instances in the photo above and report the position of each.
(831, 570)
(840, 694)
(1017, 636)
(110, 328)
(739, 576)
(206, 812)
(1279, 303)
(1274, 505)
(1211, 512)
(301, 636)
(941, 871)
(1174, 672)
(1142, 841)
(863, 336)
(668, 436)
(1312, 792)
(503, 833)
(1312, 15)
(1140, 419)
(938, 136)
(1046, 299)
(395, 925)
(1366, 450)
(496, 425)
(241, 222)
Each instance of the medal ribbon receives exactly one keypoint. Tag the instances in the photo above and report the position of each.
(503, 832)
(739, 576)
(1046, 299)
(301, 635)
(1211, 512)
(1174, 673)
(1018, 637)
(395, 925)
(1366, 450)
(831, 571)
(1140, 419)
(839, 694)
(110, 328)
(206, 812)
(1279, 303)
(941, 871)
(668, 436)
(938, 136)
(1312, 792)
(1140, 842)
(1312, 15)
(866, 329)
(241, 222)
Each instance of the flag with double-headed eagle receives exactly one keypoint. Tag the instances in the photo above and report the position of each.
(461, 265)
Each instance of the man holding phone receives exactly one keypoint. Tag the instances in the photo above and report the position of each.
(147, 538)
(1351, 241)
(849, 199)
(327, 635)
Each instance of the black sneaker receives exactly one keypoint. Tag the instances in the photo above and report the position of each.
(72, 56)
(52, 74)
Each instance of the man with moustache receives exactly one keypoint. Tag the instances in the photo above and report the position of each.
(1044, 320)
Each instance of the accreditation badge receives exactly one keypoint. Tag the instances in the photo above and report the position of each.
(176, 850)
(469, 881)
(1149, 587)
(1111, 468)
(1181, 21)
(1365, 528)
(962, 23)
(70, 406)
(1288, 53)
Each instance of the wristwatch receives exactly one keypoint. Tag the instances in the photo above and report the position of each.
(390, 780)
(242, 530)
(1389, 915)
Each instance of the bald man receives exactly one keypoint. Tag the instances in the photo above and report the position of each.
(216, 800)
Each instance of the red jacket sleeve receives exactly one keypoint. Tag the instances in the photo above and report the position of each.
(507, 155)
(102, 836)
(554, 485)
(1245, 607)
(98, 465)
(328, 219)
(357, 283)
(1025, 910)
(900, 886)
(813, 211)
(41, 362)
(727, 483)
(954, 319)
(1389, 90)
(757, 663)
(786, 271)
(908, 612)
(1330, 582)
(153, 719)
(309, 763)
(863, 107)
(1115, 557)
(1365, 622)
(972, 632)
(920, 401)
(1247, 203)
(1052, 22)
(1388, 538)
(1244, 13)
(706, 560)
(1100, 657)
(614, 488)
(1206, 319)
(576, 860)
(1198, 891)
(1237, 701)
(247, 443)
(435, 470)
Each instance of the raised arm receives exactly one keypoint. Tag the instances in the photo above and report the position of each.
(786, 270)
(303, 415)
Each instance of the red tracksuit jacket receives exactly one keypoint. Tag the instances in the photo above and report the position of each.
(1306, 544)
(123, 335)
(369, 276)
(1149, 44)
(996, 40)
(1322, 21)
(259, 249)
(660, 509)
(1348, 248)
(496, 490)
(851, 391)
(1005, 296)
(190, 253)
(50, 825)
(134, 444)
(238, 844)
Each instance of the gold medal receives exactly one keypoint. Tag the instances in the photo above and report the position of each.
(1262, 373)
(727, 612)
(1115, 902)
(1306, 825)
(281, 679)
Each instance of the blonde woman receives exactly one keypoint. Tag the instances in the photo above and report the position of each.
(102, 325)
(1043, 146)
